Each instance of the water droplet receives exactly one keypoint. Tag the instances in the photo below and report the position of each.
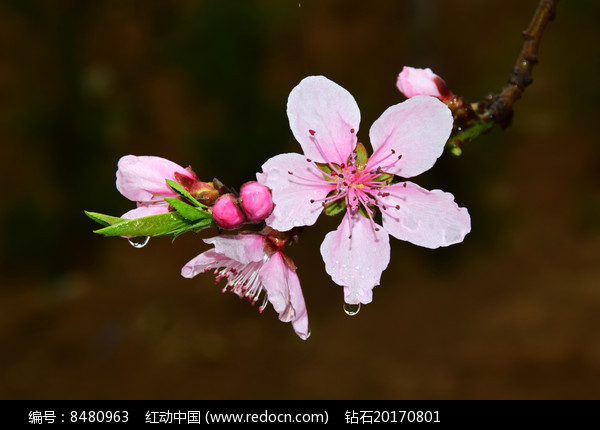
(351, 309)
(139, 242)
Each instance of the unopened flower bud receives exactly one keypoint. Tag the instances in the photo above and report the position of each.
(227, 213)
(256, 201)
(205, 192)
(416, 82)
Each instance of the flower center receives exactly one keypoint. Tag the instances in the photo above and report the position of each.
(354, 185)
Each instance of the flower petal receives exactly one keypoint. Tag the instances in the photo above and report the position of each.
(425, 218)
(409, 137)
(324, 118)
(141, 178)
(143, 211)
(207, 260)
(292, 193)
(285, 294)
(355, 255)
(244, 248)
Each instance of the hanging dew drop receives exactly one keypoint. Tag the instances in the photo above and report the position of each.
(139, 242)
(351, 309)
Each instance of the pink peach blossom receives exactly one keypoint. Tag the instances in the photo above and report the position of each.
(407, 139)
(142, 180)
(252, 263)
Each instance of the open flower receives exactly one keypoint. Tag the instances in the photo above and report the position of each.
(336, 175)
(252, 263)
(142, 180)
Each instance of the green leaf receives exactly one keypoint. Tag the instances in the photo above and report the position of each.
(177, 188)
(105, 220)
(335, 207)
(188, 212)
(153, 225)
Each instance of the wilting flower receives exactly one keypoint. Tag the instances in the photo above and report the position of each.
(335, 175)
(252, 263)
(142, 180)
(415, 82)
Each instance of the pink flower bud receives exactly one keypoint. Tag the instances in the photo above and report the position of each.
(227, 213)
(256, 201)
(416, 82)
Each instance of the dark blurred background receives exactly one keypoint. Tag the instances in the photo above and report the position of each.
(513, 312)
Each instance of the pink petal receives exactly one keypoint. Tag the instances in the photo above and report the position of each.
(141, 178)
(425, 218)
(324, 118)
(292, 194)
(244, 248)
(284, 293)
(143, 211)
(202, 262)
(415, 130)
(356, 262)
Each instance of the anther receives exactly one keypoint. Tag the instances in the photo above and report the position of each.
(291, 173)
(404, 185)
(312, 132)
(397, 206)
(352, 130)
(399, 156)
(393, 151)
(312, 201)
(309, 160)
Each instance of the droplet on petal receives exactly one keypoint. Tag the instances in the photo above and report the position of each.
(351, 309)
(139, 241)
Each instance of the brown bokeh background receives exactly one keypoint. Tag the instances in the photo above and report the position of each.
(513, 312)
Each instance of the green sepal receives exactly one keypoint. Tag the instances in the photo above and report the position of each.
(363, 211)
(170, 223)
(361, 157)
(177, 188)
(188, 212)
(327, 169)
(335, 207)
(384, 177)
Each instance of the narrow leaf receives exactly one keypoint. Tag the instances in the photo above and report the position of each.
(105, 220)
(188, 212)
(153, 225)
(183, 193)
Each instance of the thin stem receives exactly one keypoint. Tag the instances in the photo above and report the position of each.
(521, 77)
(472, 120)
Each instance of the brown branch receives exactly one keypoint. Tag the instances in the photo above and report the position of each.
(500, 106)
